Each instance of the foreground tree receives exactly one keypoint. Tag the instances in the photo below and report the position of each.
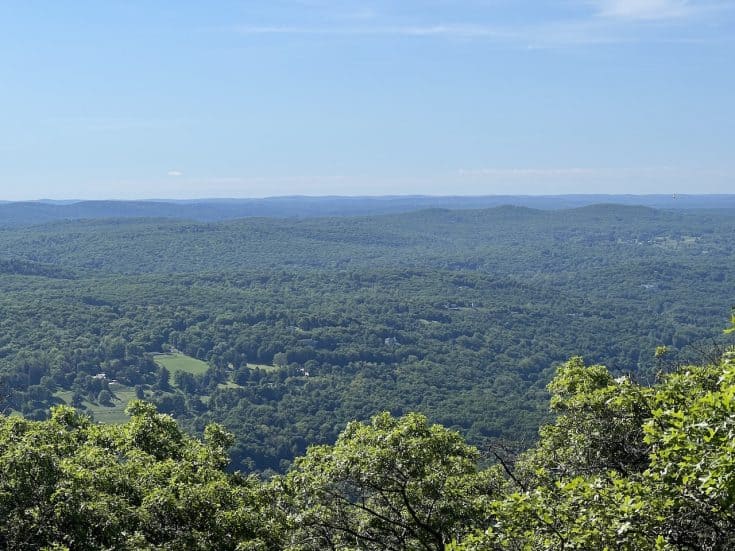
(396, 483)
(69, 483)
(624, 467)
(692, 434)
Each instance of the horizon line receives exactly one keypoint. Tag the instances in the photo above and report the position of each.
(361, 196)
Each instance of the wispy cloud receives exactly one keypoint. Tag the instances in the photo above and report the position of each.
(591, 22)
(459, 31)
(660, 10)
(635, 180)
(541, 172)
(174, 173)
(538, 36)
(596, 172)
(646, 9)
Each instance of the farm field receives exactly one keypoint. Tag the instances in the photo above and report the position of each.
(181, 362)
(106, 414)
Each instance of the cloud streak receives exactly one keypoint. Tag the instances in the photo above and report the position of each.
(646, 9)
(552, 35)
(599, 172)
(541, 36)
(523, 172)
(459, 31)
(593, 22)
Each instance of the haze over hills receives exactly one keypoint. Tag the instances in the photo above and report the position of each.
(207, 210)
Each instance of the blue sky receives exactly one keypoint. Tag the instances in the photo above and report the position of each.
(182, 99)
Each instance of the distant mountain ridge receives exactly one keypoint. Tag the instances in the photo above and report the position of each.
(168, 245)
(13, 214)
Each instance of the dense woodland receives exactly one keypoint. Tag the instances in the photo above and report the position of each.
(308, 324)
(623, 466)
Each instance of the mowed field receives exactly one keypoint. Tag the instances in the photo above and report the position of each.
(181, 362)
(122, 394)
(105, 414)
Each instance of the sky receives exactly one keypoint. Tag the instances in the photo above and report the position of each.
(185, 99)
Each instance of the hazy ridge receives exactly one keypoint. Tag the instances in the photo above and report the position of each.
(39, 212)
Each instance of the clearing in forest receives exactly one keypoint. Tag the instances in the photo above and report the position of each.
(181, 362)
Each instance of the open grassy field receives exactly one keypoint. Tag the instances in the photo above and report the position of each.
(106, 414)
(181, 362)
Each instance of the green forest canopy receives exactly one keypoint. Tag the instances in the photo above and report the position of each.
(305, 325)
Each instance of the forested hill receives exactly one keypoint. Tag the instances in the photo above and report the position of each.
(519, 237)
(286, 329)
(208, 210)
